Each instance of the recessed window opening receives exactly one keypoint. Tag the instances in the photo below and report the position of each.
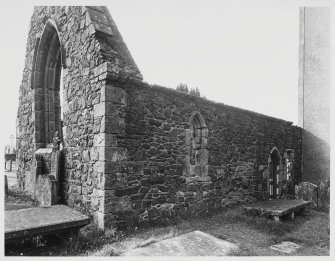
(47, 85)
(198, 151)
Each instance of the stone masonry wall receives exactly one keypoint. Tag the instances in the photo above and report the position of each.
(148, 179)
(88, 37)
(135, 153)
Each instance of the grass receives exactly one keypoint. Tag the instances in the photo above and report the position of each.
(253, 235)
(18, 200)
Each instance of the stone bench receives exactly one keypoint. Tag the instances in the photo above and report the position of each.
(57, 219)
(277, 208)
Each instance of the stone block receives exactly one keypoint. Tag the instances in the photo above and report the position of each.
(98, 16)
(153, 213)
(117, 204)
(102, 28)
(202, 156)
(266, 173)
(188, 137)
(99, 166)
(113, 125)
(86, 156)
(109, 180)
(204, 137)
(197, 171)
(114, 154)
(112, 167)
(104, 220)
(113, 94)
(46, 190)
(99, 110)
(30, 177)
(105, 139)
(94, 153)
(198, 179)
(55, 166)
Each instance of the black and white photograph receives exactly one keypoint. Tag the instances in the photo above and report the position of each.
(181, 128)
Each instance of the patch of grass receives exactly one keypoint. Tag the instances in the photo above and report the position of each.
(18, 200)
(135, 240)
(254, 235)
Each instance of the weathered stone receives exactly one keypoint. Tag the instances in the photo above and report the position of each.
(86, 156)
(118, 204)
(29, 222)
(114, 154)
(324, 194)
(113, 94)
(286, 247)
(147, 144)
(153, 213)
(46, 190)
(307, 191)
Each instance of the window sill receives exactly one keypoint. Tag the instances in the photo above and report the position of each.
(199, 179)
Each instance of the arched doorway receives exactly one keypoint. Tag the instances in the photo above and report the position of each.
(274, 167)
(46, 81)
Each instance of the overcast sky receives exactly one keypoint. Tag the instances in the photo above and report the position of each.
(241, 53)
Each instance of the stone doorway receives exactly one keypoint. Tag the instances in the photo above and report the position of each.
(46, 82)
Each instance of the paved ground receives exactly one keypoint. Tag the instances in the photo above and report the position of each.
(195, 243)
(33, 221)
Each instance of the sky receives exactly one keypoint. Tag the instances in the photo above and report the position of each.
(242, 53)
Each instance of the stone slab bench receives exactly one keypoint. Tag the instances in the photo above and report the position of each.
(277, 208)
(31, 222)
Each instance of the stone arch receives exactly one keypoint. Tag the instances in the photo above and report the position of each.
(46, 78)
(197, 147)
(274, 162)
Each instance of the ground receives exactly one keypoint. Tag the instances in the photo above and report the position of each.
(254, 235)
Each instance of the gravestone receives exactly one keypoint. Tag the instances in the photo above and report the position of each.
(324, 193)
(46, 190)
(307, 191)
(195, 243)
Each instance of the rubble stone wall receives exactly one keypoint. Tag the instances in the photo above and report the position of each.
(81, 37)
(150, 178)
(135, 153)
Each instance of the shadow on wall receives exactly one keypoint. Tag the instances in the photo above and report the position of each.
(315, 185)
(316, 158)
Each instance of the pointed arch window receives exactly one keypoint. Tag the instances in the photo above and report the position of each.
(197, 158)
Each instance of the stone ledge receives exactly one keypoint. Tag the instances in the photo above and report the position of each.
(199, 179)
